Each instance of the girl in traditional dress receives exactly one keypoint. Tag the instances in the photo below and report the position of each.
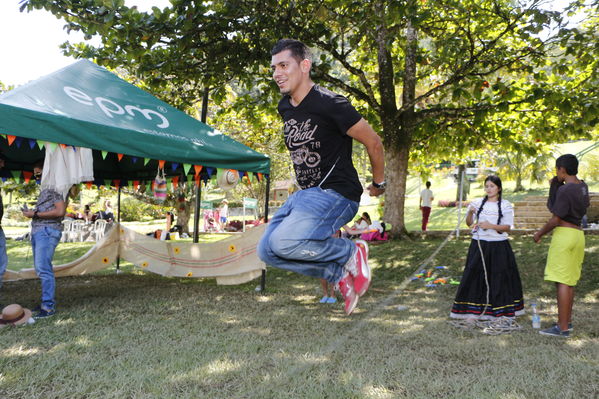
(492, 287)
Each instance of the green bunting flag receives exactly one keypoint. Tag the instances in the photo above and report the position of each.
(16, 174)
(107, 182)
(104, 153)
(186, 167)
(146, 160)
(51, 146)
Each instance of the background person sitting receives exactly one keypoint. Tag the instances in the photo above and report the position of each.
(360, 225)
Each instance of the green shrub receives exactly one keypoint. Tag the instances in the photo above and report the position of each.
(133, 210)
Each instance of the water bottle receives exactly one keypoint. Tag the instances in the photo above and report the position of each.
(536, 318)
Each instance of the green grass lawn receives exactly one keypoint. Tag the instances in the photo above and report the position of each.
(137, 335)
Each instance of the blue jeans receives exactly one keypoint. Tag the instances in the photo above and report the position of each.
(3, 256)
(299, 236)
(43, 243)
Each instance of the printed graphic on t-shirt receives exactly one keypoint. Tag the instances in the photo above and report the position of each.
(299, 138)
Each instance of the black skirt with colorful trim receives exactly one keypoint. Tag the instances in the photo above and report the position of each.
(505, 287)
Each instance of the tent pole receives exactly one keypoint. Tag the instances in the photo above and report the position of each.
(118, 212)
(196, 214)
(263, 278)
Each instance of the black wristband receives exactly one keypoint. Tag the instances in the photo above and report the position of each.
(35, 215)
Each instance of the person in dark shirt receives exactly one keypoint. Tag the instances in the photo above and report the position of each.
(3, 256)
(46, 230)
(568, 201)
(319, 129)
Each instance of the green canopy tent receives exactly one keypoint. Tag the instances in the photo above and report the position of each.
(84, 105)
(129, 130)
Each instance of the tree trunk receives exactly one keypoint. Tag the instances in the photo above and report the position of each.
(398, 152)
(396, 170)
(519, 186)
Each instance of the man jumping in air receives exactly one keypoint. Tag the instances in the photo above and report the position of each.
(319, 129)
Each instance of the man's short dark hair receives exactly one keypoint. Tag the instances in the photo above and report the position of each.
(299, 50)
(569, 163)
(428, 184)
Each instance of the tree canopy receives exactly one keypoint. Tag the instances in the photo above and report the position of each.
(435, 78)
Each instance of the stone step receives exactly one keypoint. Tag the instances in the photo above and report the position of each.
(531, 212)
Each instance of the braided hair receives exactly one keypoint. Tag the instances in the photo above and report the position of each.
(497, 181)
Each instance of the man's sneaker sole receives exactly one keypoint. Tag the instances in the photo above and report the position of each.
(363, 274)
(350, 298)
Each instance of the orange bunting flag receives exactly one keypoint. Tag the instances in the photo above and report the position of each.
(161, 164)
(119, 156)
(63, 146)
(175, 181)
(135, 184)
(116, 183)
(11, 139)
(27, 176)
(197, 180)
(89, 184)
(198, 169)
(259, 176)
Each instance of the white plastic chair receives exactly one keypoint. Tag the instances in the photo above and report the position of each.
(99, 228)
(76, 233)
(66, 230)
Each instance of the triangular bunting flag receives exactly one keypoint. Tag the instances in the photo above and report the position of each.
(16, 174)
(146, 160)
(31, 143)
(169, 184)
(89, 184)
(10, 139)
(259, 176)
(174, 166)
(198, 169)
(161, 164)
(40, 144)
(119, 156)
(107, 182)
(186, 167)
(130, 185)
(18, 141)
(134, 159)
(63, 146)
(104, 153)
(117, 183)
(27, 175)
(51, 146)
(189, 179)
(175, 181)
(210, 171)
(135, 184)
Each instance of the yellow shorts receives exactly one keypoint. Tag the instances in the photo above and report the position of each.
(566, 253)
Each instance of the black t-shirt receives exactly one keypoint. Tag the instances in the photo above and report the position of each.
(571, 202)
(316, 137)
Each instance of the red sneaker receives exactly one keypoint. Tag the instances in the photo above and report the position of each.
(358, 267)
(346, 287)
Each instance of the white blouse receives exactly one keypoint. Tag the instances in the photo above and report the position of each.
(490, 213)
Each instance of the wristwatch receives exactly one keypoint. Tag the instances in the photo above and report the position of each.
(35, 215)
(381, 186)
